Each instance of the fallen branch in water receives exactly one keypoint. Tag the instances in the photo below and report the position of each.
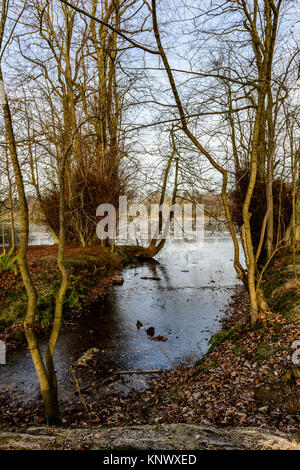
(120, 372)
(132, 372)
(151, 278)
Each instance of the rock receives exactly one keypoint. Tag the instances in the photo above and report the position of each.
(139, 324)
(11, 441)
(158, 437)
(150, 331)
(153, 278)
(118, 280)
(160, 338)
(87, 357)
(185, 271)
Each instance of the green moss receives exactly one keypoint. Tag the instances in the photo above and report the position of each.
(128, 421)
(14, 309)
(238, 348)
(264, 351)
(220, 337)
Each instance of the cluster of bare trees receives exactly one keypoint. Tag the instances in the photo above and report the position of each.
(73, 76)
(94, 80)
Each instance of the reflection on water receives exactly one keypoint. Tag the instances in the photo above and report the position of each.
(185, 305)
(37, 234)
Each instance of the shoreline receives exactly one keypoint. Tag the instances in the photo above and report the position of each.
(246, 379)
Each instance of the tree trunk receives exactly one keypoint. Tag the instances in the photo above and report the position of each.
(270, 206)
(292, 235)
(50, 401)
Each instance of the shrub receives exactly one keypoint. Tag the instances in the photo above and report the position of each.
(7, 260)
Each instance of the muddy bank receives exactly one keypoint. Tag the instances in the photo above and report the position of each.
(165, 437)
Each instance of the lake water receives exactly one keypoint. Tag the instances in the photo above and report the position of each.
(186, 304)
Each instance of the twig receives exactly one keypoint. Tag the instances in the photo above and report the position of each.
(80, 394)
(132, 372)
